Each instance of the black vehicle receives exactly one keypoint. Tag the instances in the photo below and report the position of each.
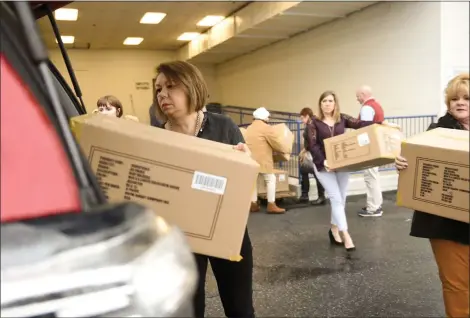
(66, 251)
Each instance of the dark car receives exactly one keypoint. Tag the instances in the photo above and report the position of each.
(66, 251)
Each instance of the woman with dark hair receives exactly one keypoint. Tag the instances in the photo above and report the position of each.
(329, 123)
(111, 106)
(306, 115)
(181, 94)
(449, 238)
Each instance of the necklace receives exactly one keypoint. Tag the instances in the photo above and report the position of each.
(196, 130)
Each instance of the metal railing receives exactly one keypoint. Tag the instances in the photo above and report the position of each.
(410, 125)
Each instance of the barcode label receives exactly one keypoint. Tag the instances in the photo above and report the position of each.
(209, 183)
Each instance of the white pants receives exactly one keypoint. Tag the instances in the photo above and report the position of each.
(373, 189)
(336, 186)
(270, 180)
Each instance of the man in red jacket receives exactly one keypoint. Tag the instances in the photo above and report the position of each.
(371, 110)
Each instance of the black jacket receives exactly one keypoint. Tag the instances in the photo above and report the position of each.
(430, 226)
(218, 128)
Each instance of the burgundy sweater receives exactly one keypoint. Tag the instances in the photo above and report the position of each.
(318, 131)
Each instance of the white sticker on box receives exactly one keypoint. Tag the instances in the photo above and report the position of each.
(363, 139)
(209, 183)
(282, 177)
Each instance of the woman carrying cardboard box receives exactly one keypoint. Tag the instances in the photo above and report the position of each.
(262, 140)
(449, 238)
(181, 94)
(331, 122)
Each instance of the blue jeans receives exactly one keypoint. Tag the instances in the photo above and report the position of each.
(336, 186)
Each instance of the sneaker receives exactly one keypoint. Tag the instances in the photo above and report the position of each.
(365, 213)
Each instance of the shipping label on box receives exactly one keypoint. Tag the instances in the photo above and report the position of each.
(201, 186)
(364, 148)
(437, 180)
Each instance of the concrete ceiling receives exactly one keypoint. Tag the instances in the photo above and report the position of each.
(248, 26)
(105, 25)
(263, 23)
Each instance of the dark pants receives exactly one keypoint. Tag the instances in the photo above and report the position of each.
(234, 280)
(305, 185)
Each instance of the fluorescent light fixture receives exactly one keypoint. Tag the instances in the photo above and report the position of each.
(133, 41)
(188, 36)
(210, 20)
(66, 39)
(66, 14)
(152, 18)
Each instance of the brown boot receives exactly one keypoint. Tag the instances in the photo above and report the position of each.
(254, 207)
(274, 209)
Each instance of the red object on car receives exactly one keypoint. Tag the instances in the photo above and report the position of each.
(36, 176)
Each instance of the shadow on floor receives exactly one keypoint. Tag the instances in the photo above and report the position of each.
(298, 274)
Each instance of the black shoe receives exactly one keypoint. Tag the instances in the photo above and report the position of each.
(304, 199)
(319, 201)
(333, 241)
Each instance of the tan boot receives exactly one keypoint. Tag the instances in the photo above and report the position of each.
(254, 207)
(274, 209)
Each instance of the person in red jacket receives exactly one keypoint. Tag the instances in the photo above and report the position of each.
(371, 110)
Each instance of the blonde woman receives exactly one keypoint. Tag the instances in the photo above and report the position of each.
(331, 122)
(449, 239)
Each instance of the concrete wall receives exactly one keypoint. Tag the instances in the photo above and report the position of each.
(454, 43)
(392, 46)
(115, 72)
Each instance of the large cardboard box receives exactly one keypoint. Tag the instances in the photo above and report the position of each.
(437, 180)
(203, 187)
(286, 139)
(282, 182)
(364, 148)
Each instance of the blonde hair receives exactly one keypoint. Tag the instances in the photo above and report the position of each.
(457, 86)
(336, 111)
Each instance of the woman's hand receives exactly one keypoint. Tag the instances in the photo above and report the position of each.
(325, 164)
(243, 148)
(401, 163)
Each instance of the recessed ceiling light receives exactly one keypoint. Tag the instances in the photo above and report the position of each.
(66, 39)
(133, 41)
(152, 18)
(210, 20)
(66, 14)
(188, 36)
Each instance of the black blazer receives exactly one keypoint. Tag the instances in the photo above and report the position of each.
(430, 226)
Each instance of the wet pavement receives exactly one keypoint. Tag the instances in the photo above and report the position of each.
(298, 274)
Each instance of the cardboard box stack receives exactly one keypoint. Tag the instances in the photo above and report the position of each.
(437, 180)
(282, 182)
(368, 147)
(201, 186)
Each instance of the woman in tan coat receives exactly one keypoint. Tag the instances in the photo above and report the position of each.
(261, 139)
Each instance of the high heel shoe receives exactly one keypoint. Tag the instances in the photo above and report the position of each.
(350, 249)
(333, 240)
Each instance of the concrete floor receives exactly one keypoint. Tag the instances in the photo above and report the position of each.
(298, 274)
